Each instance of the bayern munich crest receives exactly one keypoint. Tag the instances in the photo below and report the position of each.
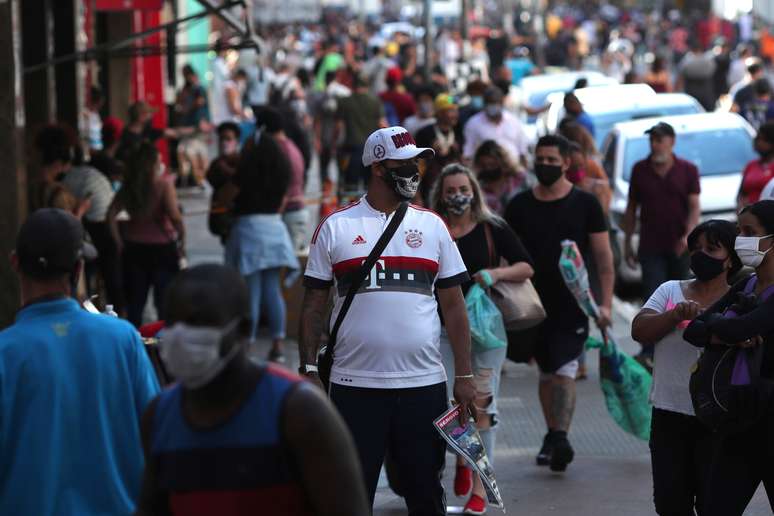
(413, 238)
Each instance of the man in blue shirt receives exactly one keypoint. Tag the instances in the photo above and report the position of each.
(73, 386)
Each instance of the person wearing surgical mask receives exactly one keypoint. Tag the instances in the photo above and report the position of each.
(680, 445)
(543, 217)
(425, 114)
(250, 421)
(492, 253)
(664, 195)
(495, 123)
(742, 459)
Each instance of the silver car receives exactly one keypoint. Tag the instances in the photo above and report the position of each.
(719, 144)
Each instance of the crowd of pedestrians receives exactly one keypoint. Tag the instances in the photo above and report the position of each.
(449, 189)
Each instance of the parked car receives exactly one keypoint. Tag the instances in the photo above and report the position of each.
(535, 89)
(719, 144)
(608, 105)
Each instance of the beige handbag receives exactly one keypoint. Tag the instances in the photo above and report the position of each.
(518, 302)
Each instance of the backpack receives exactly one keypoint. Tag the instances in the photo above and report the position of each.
(727, 391)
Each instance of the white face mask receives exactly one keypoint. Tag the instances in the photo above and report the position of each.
(192, 353)
(747, 249)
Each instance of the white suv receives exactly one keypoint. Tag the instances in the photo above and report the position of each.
(719, 144)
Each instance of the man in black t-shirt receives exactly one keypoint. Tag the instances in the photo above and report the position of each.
(543, 217)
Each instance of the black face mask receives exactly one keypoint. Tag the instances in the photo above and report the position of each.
(705, 267)
(490, 174)
(403, 180)
(548, 174)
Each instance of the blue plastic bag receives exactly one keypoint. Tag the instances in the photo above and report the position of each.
(486, 321)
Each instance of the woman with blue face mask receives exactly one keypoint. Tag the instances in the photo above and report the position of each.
(743, 458)
(492, 252)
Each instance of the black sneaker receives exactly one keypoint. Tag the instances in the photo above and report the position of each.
(276, 356)
(562, 454)
(544, 455)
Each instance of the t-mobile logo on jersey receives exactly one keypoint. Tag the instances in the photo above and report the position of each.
(374, 274)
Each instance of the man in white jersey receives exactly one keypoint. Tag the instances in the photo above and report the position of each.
(387, 378)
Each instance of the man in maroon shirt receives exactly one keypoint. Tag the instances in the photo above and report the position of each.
(666, 190)
(402, 102)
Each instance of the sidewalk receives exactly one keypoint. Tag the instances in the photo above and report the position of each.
(610, 475)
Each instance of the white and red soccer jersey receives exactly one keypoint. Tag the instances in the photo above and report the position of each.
(390, 336)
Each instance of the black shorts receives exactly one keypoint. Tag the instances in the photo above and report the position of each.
(557, 346)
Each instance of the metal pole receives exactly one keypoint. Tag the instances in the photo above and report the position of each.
(427, 23)
(107, 47)
(465, 8)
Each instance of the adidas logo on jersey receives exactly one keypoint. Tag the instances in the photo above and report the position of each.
(359, 240)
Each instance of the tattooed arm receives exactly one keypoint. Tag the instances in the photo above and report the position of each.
(313, 320)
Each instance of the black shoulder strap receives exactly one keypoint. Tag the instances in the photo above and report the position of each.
(361, 273)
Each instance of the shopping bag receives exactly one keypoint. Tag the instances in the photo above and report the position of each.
(626, 386)
(486, 321)
(625, 383)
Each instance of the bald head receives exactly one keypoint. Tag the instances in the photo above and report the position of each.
(207, 295)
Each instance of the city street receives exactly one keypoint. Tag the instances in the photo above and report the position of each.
(611, 472)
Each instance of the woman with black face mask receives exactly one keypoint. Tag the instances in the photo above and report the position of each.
(759, 172)
(679, 443)
(499, 178)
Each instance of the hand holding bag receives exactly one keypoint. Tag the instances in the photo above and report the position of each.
(325, 356)
(518, 302)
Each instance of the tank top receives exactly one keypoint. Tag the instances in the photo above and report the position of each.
(237, 468)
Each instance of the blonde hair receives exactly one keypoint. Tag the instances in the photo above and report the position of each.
(480, 212)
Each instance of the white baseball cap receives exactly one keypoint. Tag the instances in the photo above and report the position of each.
(392, 143)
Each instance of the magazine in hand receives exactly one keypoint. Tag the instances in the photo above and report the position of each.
(467, 442)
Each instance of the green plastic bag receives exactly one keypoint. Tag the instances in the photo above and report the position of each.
(626, 386)
(486, 321)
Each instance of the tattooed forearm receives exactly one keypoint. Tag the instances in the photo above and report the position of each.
(562, 402)
(313, 311)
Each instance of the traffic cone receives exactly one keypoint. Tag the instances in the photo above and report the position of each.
(329, 201)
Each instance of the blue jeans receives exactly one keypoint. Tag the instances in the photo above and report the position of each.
(266, 294)
(487, 366)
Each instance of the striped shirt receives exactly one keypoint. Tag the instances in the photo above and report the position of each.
(237, 468)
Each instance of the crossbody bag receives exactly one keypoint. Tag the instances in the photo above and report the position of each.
(325, 357)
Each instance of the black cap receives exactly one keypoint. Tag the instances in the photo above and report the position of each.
(49, 243)
(661, 129)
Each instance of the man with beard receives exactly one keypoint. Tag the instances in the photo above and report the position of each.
(387, 379)
(665, 189)
(553, 211)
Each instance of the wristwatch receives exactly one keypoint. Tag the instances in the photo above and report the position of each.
(307, 368)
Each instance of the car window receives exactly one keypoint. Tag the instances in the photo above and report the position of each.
(604, 122)
(715, 152)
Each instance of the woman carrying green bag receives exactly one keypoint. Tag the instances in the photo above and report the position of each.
(457, 198)
(680, 445)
